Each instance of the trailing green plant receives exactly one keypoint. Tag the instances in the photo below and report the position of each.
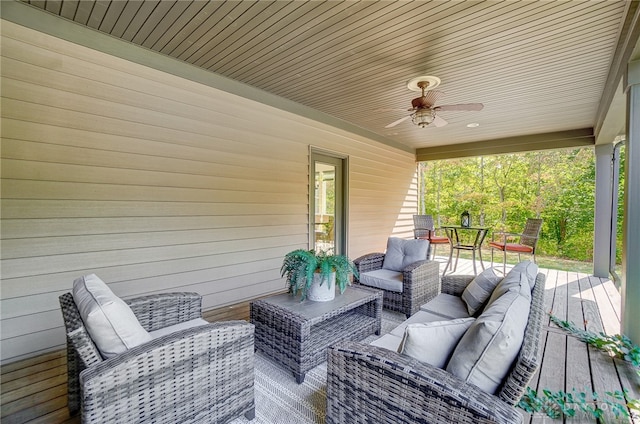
(300, 265)
(558, 404)
(617, 345)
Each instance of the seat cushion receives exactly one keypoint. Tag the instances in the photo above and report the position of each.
(178, 327)
(401, 253)
(384, 279)
(446, 306)
(418, 317)
(485, 353)
(512, 247)
(433, 342)
(439, 240)
(479, 290)
(388, 341)
(110, 322)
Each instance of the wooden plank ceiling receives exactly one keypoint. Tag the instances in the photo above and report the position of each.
(537, 66)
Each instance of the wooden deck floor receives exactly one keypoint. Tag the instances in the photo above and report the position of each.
(34, 390)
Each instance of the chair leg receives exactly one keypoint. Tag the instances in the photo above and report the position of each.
(433, 257)
(473, 259)
(480, 256)
(446, 267)
(492, 250)
(457, 256)
(504, 261)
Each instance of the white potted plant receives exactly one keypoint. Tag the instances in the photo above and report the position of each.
(315, 275)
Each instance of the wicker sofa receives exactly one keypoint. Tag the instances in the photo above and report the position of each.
(200, 374)
(368, 383)
(417, 282)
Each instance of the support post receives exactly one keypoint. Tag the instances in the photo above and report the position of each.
(631, 227)
(602, 218)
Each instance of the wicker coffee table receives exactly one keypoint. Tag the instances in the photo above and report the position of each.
(296, 334)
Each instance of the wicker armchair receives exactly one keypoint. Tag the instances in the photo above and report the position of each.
(202, 374)
(372, 384)
(420, 283)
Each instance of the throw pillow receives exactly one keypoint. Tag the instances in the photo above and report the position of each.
(401, 253)
(433, 342)
(110, 322)
(522, 276)
(479, 290)
(485, 353)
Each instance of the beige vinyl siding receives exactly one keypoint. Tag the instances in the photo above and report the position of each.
(158, 183)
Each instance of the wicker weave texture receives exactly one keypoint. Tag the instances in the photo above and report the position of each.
(201, 375)
(371, 384)
(420, 283)
(300, 343)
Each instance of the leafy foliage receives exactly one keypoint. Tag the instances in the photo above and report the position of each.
(558, 404)
(618, 345)
(300, 265)
(503, 191)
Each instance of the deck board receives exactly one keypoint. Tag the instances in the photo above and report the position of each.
(34, 390)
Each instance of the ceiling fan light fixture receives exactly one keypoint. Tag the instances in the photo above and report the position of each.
(423, 117)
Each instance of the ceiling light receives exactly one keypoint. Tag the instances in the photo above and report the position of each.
(423, 117)
(473, 125)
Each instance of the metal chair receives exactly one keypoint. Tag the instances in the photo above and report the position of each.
(424, 228)
(527, 242)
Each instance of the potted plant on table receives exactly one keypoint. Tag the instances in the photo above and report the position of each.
(315, 275)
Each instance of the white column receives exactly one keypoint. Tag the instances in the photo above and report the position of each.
(602, 219)
(631, 226)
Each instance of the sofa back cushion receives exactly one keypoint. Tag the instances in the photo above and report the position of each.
(479, 290)
(110, 322)
(485, 353)
(522, 276)
(433, 342)
(401, 253)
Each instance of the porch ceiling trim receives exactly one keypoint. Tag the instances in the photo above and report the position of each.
(527, 143)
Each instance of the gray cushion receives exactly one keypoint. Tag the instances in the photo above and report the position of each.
(418, 317)
(446, 306)
(383, 279)
(181, 326)
(487, 350)
(433, 342)
(111, 323)
(479, 290)
(401, 253)
(522, 276)
(388, 341)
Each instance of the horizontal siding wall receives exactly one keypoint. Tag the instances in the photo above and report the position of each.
(158, 183)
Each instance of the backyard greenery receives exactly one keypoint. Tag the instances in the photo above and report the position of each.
(503, 191)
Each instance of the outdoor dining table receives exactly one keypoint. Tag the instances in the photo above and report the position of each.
(470, 242)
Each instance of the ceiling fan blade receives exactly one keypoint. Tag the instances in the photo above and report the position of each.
(461, 107)
(438, 121)
(432, 96)
(399, 121)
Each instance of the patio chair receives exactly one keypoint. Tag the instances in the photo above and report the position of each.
(188, 371)
(527, 242)
(424, 228)
(404, 274)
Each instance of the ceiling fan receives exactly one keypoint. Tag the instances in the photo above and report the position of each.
(424, 111)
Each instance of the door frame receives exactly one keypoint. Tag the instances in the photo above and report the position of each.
(341, 223)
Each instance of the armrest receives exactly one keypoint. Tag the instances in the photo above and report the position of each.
(422, 276)
(455, 284)
(373, 384)
(369, 262)
(162, 310)
(173, 371)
